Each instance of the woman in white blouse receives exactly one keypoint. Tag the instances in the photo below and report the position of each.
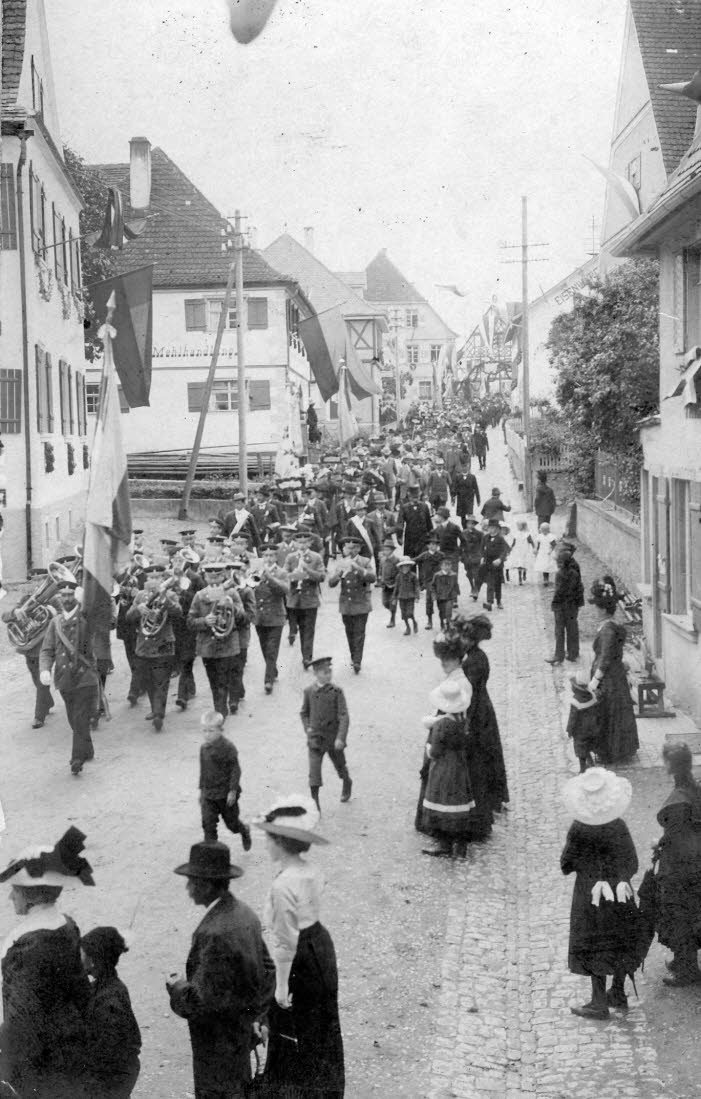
(305, 1050)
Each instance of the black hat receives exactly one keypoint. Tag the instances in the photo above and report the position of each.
(154, 568)
(217, 538)
(137, 530)
(303, 531)
(434, 536)
(39, 572)
(263, 490)
(210, 861)
(319, 660)
(168, 542)
(357, 538)
(67, 585)
(191, 531)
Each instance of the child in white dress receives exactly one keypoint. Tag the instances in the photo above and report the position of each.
(545, 562)
(522, 549)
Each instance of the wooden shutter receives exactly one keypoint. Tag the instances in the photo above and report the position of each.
(195, 396)
(57, 237)
(80, 403)
(49, 391)
(8, 210)
(63, 395)
(123, 402)
(10, 402)
(695, 550)
(258, 395)
(40, 361)
(195, 315)
(257, 312)
(69, 397)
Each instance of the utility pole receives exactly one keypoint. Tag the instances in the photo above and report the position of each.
(396, 314)
(240, 354)
(527, 478)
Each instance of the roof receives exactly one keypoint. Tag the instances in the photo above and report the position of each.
(324, 289)
(663, 26)
(183, 234)
(385, 282)
(14, 20)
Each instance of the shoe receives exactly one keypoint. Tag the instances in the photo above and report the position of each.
(681, 980)
(487, 606)
(407, 631)
(306, 664)
(149, 717)
(157, 724)
(475, 597)
(291, 637)
(132, 700)
(234, 708)
(438, 852)
(181, 704)
(314, 790)
(588, 1011)
(391, 625)
(346, 791)
(500, 606)
(429, 625)
(268, 687)
(572, 659)
(356, 668)
(553, 660)
(460, 849)
(617, 999)
(246, 841)
(416, 626)
(37, 724)
(76, 766)
(671, 966)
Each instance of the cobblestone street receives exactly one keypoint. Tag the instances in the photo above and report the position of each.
(453, 976)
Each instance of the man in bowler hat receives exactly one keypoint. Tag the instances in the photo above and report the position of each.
(229, 978)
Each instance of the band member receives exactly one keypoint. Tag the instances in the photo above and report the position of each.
(270, 594)
(305, 570)
(216, 614)
(314, 512)
(186, 567)
(356, 577)
(66, 648)
(240, 521)
(154, 610)
(190, 541)
(237, 690)
(132, 581)
(43, 702)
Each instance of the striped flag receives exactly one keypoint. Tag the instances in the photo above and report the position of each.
(347, 423)
(108, 512)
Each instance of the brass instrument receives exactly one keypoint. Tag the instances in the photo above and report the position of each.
(157, 604)
(223, 610)
(253, 580)
(129, 584)
(29, 621)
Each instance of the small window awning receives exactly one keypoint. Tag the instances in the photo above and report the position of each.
(326, 342)
(686, 385)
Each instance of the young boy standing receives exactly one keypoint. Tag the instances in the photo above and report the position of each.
(388, 576)
(406, 592)
(429, 562)
(445, 590)
(495, 550)
(220, 781)
(325, 719)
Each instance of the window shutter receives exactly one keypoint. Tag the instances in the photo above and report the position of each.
(49, 392)
(69, 394)
(55, 223)
(257, 312)
(195, 396)
(10, 402)
(80, 402)
(258, 395)
(8, 211)
(40, 360)
(123, 402)
(195, 315)
(63, 396)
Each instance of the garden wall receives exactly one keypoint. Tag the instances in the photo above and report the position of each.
(613, 537)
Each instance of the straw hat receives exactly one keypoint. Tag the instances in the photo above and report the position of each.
(405, 561)
(450, 697)
(597, 796)
(295, 817)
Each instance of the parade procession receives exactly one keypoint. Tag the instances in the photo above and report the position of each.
(345, 602)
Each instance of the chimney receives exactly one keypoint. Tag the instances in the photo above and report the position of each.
(253, 238)
(140, 173)
(309, 238)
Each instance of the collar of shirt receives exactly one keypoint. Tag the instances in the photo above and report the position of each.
(67, 615)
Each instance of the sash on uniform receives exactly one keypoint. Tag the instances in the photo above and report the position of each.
(355, 521)
(246, 515)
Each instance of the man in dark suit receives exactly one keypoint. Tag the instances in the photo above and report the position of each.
(415, 523)
(467, 493)
(240, 521)
(266, 517)
(229, 979)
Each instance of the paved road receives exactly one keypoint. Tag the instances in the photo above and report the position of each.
(453, 976)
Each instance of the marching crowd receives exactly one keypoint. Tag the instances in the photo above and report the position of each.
(400, 513)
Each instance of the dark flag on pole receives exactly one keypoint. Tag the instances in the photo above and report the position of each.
(133, 322)
(115, 230)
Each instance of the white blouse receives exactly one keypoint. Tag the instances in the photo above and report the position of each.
(294, 902)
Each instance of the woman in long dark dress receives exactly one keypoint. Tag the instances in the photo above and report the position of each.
(618, 732)
(112, 1038)
(306, 989)
(44, 988)
(679, 869)
(448, 799)
(603, 918)
(485, 751)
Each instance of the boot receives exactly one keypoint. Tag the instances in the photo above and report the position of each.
(347, 787)
(407, 631)
(616, 995)
(597, 1008)
(391, 624)
(314, 790)
(429, 623)
(416, 626)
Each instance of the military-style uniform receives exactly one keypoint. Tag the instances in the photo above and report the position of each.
(270, 619)
(217, 652)
(237, 691)
(155, 654)
(306, 571)
(355, 603)
(65, 647)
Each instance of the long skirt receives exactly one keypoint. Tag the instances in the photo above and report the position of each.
(618, 731)
(305, 1050)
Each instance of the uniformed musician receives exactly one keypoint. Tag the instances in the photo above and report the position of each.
(270, 594)
(356, 576)
(305, 570)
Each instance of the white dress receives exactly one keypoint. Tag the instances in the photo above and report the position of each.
(545, 553)
(521, 556)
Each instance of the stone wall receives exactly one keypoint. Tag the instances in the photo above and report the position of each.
(613, 537)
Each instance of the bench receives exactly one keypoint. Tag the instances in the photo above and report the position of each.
(651, 697)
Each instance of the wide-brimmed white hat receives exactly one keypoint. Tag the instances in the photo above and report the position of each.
(57, 865)
(597, 796)
(450, 697)
(295, 817)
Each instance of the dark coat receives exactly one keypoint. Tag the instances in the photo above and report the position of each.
(618, 729)
(44, 995)
(544, 503)
(466, 492)
(70, 672)
(603, 938)
(112, 1040)
(568, 590)
(583, 722)
(485, 753)
(415, 522)
(679, 869)
(356, 588)
(448, 798)
(229, 983)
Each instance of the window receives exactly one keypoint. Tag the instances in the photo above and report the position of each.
(425, 391)
(633, 172)
(37, 213)
(412, 353)
(257, 312)
(92, 398)
(679, 546)
(44, 390)
(412, 318)
(10, 402)
(123, 402)
(214, 308)
(8, 209)
(225, 396)
(80, 403)
(692, 297)
(435, 352)
(59, 245)
(65, 390)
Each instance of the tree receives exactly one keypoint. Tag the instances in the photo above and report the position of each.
(606, 355)
(97, 264)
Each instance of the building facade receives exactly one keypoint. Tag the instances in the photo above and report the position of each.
(43, 424)
(191, 248)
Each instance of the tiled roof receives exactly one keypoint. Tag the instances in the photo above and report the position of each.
(324, 289)
(669, 35)
(183, 235)
(385, 282)
(14, 18)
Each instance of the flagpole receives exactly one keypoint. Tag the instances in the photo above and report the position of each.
(195, 453)
(240, 354)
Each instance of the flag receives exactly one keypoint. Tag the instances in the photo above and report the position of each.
(248, 18)
(451, 288)
(108, 511)
(347, 423)
(623, 187)
(133, 320)
(115, 230)
(325, 339)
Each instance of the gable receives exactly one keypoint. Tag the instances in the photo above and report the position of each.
(386, 283)
(322, 287)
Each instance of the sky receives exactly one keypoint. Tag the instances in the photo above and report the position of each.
(410, 125)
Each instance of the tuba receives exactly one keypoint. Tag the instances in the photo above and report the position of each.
(29, 621)
(223, 611)
(153, 622)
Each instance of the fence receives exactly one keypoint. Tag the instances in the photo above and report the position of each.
(612, 485)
